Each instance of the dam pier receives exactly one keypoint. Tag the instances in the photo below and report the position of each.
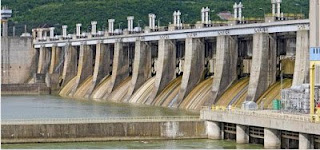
(252, 80)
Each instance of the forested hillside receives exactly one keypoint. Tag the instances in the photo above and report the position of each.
(36, 13)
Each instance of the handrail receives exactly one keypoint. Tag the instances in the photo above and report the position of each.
(99, 120)
(262, 114)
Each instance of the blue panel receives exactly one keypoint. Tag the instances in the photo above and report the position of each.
(315, 54)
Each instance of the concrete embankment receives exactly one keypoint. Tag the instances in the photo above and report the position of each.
(66, 131)
(24, 89)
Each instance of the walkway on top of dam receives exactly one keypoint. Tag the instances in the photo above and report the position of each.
(246, 29)
(100, 120)
(263, 118)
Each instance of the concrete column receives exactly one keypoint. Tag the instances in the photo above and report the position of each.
(51, 32)
(178, 18)
(235, 13)
(111, 25)
(78, 30)
(213, 130)
(272, 139)
(85, 68)
(301, 68)
(273, 2)
(166, 67)
(202, 15)
(279, 8)
(193, 68)
(70, 64)
(226, 66)
(150, 21)
(242, 135)
(4, 28)
(263, 69)
(314, 23)
(130, 23)
(304, 141)
(153, 21)
(175, 18)
(40, 31)
(64, 31)
(102, 65)
(120, 70)
(141, 66)
(240, 11)
(93, 27)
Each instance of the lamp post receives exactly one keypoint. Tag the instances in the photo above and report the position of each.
(139, 23)
(120, 25)
(159, 22)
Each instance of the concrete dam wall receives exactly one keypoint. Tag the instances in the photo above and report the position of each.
(184, 73)
(75, 132)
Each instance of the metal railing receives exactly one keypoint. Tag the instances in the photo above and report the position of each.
(258, 113)
(100, 120)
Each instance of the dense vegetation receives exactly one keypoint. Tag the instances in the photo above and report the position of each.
(35, 13)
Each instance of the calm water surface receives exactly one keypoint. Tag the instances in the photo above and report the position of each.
(36, 107)
(170, 144)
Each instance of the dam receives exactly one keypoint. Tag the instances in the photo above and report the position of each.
(187, 68)
(216, 69)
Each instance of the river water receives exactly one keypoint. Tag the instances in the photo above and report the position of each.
(37, 107)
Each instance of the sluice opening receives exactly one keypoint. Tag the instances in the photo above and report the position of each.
(154, 58)
(256, 135)
(229, 131)
(289, 140)
(316, 141)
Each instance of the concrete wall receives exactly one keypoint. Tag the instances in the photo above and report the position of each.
(24, 89)
(16, 59)
(102, 131)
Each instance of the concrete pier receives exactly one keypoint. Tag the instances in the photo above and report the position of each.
(226, 66)
(301, 68)
(263, 69)
(120, 70)
(70, 66)
(53, 61)
(44, 60)
(193, 71)
(85, 66)
(305, 141)
(101, 66)
(272, 139)
(213, 130)
(166, 67)
(242, 134)
(141, 66)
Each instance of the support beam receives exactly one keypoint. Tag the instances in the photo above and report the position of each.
(85, 68)
(193, 68)
(301, 68)
(141, 66)
(213, 130)
(102, 66)
(120, 70)
(166, 66)
(70, 64)
(226, 66)
(272, 139)
(242, 135)
(263, 69)
(304, 141)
